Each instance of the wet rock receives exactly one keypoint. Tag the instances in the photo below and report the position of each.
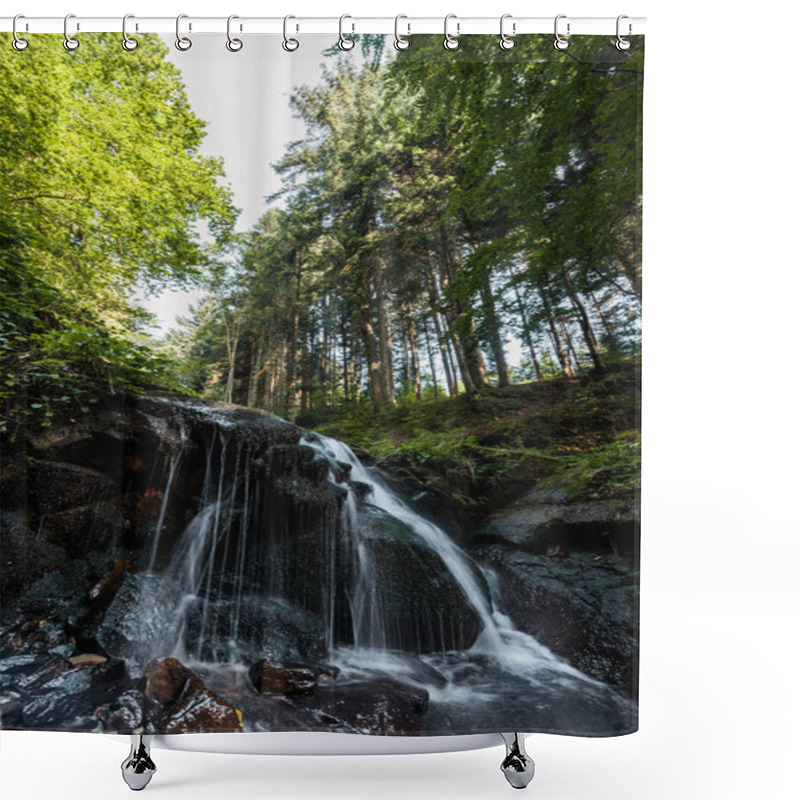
(423, 608)
(277, 677)
(582, 609)
(24, 558)
(178, 702)
(59, 593)
(381, 706)
(140, 620)
(126, 713)
(88, 528)
(56, 486)
(544, 519)
(270, 628)
(87, 659)
(73, 698)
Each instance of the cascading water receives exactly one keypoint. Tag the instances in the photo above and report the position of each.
(498, 639)
(254, 563)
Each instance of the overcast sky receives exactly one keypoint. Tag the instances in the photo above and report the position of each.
(244, 97)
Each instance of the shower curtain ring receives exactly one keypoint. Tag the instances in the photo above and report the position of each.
(182, 42)
(70, 42)
(128, 42)
(18, 42)
(401, 42)
(560, 42)
(451, 42)
(345, 42)
(289, 44)
(234, 45)
(507, 42)
(622, 43)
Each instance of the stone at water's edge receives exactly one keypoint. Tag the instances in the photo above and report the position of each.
(381, 706)
(177, 701)
(584, 610)
(277, 677)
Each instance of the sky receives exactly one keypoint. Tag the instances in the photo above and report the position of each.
(244, 98)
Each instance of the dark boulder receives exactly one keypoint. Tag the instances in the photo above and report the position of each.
(270, 628)
(422, 606)
(177, 701)
(581, 607)
(24, 558)
(284, 677)
(56, 486)
(381, 706)
(138, 622)
(544, 518)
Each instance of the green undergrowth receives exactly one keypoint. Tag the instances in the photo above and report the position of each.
(483, 449)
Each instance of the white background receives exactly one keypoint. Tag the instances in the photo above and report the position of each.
(720, 556)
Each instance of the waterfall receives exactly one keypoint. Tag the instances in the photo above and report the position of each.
(499, 639)
(456, 561)
(234, 570)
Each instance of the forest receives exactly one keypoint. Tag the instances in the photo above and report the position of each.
(437, 213)
(446, 225)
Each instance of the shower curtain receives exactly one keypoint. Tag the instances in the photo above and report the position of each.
(320, 385)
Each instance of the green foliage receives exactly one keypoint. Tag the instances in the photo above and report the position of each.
(104, 190)
(609, 472)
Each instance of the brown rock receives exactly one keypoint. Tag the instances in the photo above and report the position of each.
(276, 677)
(168, 681)
(87, 659)
(179, 702)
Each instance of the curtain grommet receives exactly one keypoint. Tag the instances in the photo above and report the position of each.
(71, 43)
(560, 43)
(507, 42)
(289, 44)
(451, 42)
(346, 43)
(182, 43)
(622, 43)
(234, 45)
(17, 42)
(401, 42)
(128, 42)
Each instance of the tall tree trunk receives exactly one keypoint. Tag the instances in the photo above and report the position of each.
(613, 344)
(384, 332)
(494, 334)
(433, 301)
(431, 361)
(374, 377)
(572, 356)
(414, 345)
(555, 338)
(583, 321)
(291, 365)
(527, 336)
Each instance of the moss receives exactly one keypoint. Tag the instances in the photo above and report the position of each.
(482, 449)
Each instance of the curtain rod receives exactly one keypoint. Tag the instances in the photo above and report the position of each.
(329, 25)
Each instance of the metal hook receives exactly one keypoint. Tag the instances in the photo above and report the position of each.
(18, 43)
(560, 42)
(289, 44)
(451, 42)
(506, 42)
(622, 43)
(233, 45)
(128, 42)
(183, 43)
(70, 42)
(345, 42)
(400, 42)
